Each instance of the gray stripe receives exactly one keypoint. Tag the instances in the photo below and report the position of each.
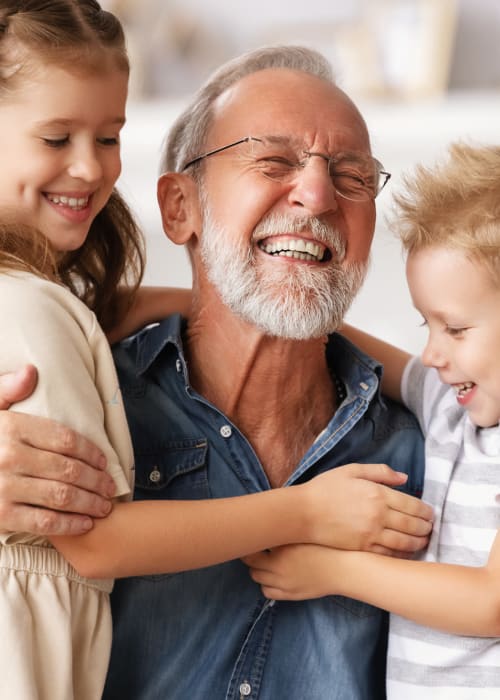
(478, 473)
(453, 414)
(471, 516)
(435, 491)
(443, 450)
(462, 677)
(406, 628)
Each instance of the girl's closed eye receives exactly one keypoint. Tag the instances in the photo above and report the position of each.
(109, 141)
(56, 142)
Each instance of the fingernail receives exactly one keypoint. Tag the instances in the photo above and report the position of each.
(105, 508)
(87, 524)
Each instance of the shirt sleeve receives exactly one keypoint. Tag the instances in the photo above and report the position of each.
(43, 324)
(421, 390)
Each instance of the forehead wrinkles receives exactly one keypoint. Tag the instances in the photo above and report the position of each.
(282, 101)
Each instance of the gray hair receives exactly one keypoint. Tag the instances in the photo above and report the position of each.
(188, 133)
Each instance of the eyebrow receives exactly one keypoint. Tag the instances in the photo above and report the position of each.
(279, 139)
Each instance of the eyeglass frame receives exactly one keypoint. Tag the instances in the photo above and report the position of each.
(329, 160)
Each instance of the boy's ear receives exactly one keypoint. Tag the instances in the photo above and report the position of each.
(179, 207)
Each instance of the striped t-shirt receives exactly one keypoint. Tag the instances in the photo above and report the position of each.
(462, 483)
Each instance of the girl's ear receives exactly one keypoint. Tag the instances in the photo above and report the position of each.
(179, 206)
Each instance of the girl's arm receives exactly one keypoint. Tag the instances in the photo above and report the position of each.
(456, 599)
(392, 358)
(51, 329)
(151, 304)
(153, 537)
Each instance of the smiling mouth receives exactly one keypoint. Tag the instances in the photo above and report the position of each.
(297, 248)
(464, 388)
(75, 203)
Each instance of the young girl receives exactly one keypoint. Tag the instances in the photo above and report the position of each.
(444, 640)
(66, 241)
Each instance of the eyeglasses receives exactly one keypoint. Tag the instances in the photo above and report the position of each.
(355, 176)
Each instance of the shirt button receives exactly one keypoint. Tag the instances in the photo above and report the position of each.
(245, 689)
(155, 476)
(364, 386)
(178, 365)
(226, 431)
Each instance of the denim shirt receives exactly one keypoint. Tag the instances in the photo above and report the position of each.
(209, 634)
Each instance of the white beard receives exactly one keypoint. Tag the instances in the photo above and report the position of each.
(306, 301)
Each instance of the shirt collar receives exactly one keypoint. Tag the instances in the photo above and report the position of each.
(357, 370)
(153, 340)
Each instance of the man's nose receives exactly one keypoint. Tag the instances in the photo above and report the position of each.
(313, 189)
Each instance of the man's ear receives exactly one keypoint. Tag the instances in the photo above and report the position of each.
(179, 207)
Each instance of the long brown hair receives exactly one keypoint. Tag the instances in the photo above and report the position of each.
(77, 35)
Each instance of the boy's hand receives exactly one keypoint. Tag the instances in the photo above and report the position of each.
(295, 572)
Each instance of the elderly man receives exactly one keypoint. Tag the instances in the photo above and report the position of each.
(270, 182)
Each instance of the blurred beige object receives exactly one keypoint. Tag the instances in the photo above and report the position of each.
(171, 48)
(383, 48)
(404, 47)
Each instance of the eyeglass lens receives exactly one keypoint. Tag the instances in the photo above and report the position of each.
(354, 176)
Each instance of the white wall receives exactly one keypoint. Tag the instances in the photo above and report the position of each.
(402, 135)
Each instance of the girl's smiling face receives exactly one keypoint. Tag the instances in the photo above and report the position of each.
(460, 303)
(59, 139)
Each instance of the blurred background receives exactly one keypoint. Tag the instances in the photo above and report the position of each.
(423, 72)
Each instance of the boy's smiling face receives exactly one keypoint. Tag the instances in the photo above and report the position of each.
(460, 303)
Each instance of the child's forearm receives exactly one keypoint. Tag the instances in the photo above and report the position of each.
(393, 359)
(456, 599)
(147, 537)
(151, 304)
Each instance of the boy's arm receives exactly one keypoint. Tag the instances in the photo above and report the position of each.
(392, 358)
(456, 599)
(151, 304)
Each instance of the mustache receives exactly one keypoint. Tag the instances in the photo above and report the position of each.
(274, 224)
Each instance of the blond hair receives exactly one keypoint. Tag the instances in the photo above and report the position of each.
(77, 35)
(455, 204)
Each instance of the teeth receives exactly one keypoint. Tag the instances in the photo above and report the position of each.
(464, 388)
(72, 202)
(296, 248)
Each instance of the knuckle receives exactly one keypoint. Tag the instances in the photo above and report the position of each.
(7, 454)
(46, 522)
(62, 495)
(66, 439)
(70, 470)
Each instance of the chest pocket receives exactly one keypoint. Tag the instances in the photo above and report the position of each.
(176, 470)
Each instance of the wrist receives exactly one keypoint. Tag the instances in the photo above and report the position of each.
(310, 520)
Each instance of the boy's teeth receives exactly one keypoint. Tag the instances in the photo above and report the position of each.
(462, 389)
